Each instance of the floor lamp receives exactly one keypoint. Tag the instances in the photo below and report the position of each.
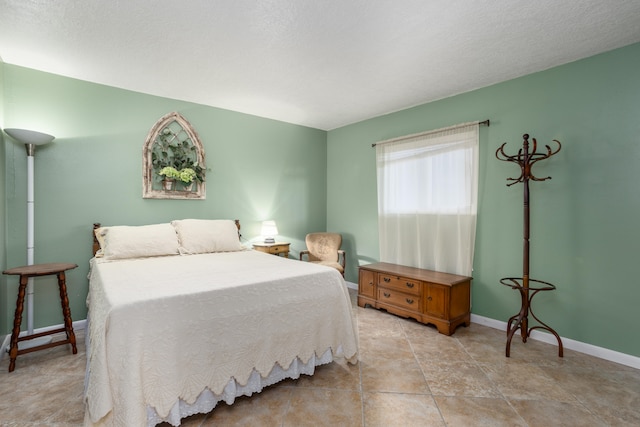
(30, 139)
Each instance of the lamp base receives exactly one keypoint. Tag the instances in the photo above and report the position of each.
(269, 240)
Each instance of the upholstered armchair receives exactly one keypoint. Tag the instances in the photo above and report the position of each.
(324, 248)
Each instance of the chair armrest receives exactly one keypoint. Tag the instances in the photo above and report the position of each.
(344, 258)
(303, 253)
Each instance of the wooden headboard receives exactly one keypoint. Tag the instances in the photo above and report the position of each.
(96, 244)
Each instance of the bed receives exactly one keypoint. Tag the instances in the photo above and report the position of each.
(181, 317)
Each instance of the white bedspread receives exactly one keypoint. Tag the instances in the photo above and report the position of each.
(166, 328)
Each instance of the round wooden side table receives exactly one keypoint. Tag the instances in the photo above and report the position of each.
(36, 270)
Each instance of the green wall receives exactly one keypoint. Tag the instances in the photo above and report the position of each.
(584, 226)
(92, 172)
(4, 298)
(585, 236)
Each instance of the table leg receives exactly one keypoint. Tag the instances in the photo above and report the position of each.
(66, 312)
(17, 320)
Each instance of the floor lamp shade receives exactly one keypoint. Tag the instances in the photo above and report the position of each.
(30, 139)
(29, 136)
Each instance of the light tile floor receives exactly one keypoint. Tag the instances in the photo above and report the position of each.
(408, 375)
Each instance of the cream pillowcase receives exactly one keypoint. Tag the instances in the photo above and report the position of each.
(124, 241)
(199, 236)
(100, 238)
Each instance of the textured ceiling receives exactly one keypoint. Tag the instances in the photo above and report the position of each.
(322, 63)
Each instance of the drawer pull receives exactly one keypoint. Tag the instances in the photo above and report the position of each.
(429, 298)
(409, 285)
(386, 295)
(386, 279)
(409, 301)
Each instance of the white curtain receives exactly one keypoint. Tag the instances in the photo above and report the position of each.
(427, 199)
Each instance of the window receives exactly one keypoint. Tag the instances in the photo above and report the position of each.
(427, 199)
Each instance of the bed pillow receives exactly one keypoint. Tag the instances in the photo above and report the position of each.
(122, 241)
(100, 238)
(199, 236)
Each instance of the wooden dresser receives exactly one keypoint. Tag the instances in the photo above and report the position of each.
(442, 299)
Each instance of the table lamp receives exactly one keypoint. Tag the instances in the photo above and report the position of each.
(269, 231)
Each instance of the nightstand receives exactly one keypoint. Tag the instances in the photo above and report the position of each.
(277, 248)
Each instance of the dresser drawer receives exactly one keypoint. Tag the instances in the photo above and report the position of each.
(278, 249)
(399, 299)
(399, 283)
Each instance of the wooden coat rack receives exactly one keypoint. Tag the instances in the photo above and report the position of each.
(527, 287)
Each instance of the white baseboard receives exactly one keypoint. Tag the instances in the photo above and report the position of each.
(592, 350)
(77, 325)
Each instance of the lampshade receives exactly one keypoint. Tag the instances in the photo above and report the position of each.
(269, 231)
(29, 136)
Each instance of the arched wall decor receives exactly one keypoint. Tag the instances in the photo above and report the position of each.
(173, 162)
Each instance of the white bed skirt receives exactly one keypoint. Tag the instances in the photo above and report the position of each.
(208, 400)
